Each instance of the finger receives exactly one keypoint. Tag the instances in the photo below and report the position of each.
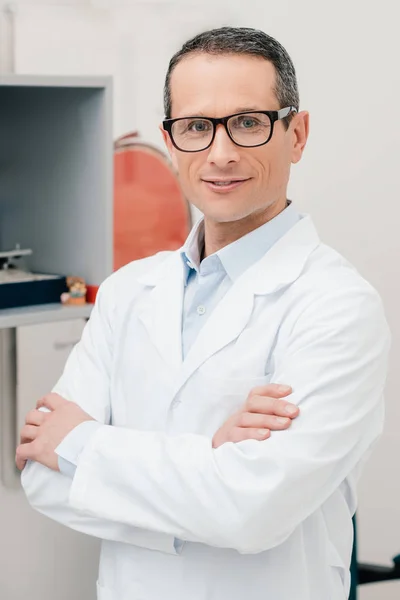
(35, 417)
(51, 401)
(239, 434)
(273, 390)
(29, 433)
(259, 421)
(20, 463)
(25, 452)
(271, 406)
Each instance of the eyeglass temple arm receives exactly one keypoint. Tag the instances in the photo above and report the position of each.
(285, 112)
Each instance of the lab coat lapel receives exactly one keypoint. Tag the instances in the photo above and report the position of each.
(226, 322)
(161, 312)
(277, 269)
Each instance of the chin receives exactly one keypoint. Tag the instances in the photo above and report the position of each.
(227, 214)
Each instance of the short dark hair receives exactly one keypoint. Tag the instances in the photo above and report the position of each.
(246, 41)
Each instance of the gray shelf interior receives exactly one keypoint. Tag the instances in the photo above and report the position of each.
(56, 185)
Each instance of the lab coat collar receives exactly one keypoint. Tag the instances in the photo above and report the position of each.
(190, 251)
(284, 262)
(281, 265)
(238, 256)
(161, 313)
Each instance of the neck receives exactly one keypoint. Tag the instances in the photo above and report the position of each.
(217, 235)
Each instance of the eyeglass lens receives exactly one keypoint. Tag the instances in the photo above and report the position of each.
(250, 129)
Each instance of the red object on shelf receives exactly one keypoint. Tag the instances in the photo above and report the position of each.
(91, 293)
(150, 211)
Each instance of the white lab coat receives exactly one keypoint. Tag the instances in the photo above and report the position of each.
(256, 520)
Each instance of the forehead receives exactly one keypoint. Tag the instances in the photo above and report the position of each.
(215, 86)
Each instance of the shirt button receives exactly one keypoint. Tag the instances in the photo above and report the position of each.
(201, 310)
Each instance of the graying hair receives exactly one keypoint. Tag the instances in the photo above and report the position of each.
(246, 41)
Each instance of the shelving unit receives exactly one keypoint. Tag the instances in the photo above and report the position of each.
(56, 198)
(56, 184)
(43, 313)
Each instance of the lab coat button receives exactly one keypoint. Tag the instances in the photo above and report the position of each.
(201, 310)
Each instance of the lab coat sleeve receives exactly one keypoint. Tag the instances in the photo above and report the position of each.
(85, 380)
(251, 496)
(71, 447)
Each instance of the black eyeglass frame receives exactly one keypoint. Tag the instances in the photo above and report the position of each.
(274, 115)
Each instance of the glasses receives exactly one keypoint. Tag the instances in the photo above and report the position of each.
(247, 129)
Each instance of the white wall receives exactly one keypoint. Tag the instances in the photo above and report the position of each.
(346, 54)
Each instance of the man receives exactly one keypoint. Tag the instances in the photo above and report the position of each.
(158, 422)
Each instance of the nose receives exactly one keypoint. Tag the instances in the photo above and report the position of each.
(222, 151)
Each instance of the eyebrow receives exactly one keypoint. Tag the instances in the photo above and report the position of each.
(201, 113)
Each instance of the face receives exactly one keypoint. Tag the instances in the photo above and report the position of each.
(217, 86)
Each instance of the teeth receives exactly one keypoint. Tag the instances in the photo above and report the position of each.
(222, 182)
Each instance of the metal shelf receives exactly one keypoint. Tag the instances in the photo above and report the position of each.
(43, 313)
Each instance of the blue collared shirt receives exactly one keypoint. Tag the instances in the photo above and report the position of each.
(206, 283)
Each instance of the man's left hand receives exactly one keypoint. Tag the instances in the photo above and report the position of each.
(44, 431)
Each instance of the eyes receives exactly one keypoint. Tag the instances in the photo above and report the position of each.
(234, 123)
(193, 134)
(244, 122)
(199, 126)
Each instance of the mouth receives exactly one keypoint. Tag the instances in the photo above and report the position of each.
(224, 185)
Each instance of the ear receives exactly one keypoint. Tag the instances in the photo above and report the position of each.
(300, 129)
(170, 147)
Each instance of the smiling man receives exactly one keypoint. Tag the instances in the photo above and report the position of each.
(238, 188)
(168, 435)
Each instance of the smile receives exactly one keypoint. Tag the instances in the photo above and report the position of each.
(224, 185)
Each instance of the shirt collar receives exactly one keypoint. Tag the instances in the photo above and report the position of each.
(238, 256)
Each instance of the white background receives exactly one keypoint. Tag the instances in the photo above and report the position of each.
(346, 54)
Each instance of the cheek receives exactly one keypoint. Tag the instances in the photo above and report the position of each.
(188, 169)
(261, 164)
(273, 164)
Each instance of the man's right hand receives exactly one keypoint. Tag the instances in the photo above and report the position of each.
(264, 411)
